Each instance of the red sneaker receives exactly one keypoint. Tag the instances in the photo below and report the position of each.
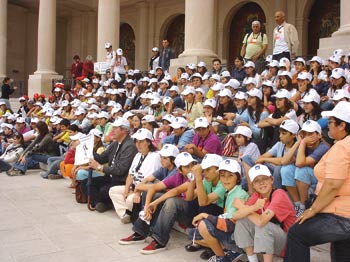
(133, 239)
(152, 248)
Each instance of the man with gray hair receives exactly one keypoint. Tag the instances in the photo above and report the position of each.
(254, 46)
(118, 157)
(285, 38)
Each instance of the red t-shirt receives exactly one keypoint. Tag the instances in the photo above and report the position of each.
(280, 204)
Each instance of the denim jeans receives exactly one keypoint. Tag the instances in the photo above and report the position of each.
(31, 161)
(322, 228)
(4, 166)
(174, 209)
(53, 165)
(83, 174)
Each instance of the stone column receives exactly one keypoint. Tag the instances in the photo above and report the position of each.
(41, 81)
(280, 5)
(3, 37)
(199, 34)
(341, 37)
(108, 26)
(142, 50)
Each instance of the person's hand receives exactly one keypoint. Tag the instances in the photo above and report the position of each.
(189, 148)
(197, 171)
(126, 193)
(254, 58)
(308, 213)
(15, 87)
(324, 98)
(93, 164)
(229, 123)
(260, 160)
(137, 197)
(243, 123)
(311, 140)
(22, 160)
(259, 204)
(198, 218)
(229, 116)
(238, 203)
(149, 210)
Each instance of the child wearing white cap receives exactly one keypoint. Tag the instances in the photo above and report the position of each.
(145, 163)
(263, 221)
(215, 231)
(307, 151)
(181, 136)
(165, 210)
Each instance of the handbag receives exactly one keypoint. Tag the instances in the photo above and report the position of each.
(80, 196)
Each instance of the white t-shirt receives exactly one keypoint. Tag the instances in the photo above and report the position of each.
(280, 43)
(119, 65)
(110, 56)
(149, 165)
(249, 150)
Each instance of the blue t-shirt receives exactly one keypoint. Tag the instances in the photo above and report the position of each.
(318, 152)
(163, 173)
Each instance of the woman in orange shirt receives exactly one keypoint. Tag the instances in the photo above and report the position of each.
(328, 218)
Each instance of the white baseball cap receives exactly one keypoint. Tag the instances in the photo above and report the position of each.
(340, 111)
(241, 95)
(290, 126)
(251, 80)
(188, 90)
(148, 119)
(230, 165)
(304, 76)
(249, 64)
(163, 81)
(268, 58)
(339, 52)
(210, 160)
(201, 122)
(96, 132)
(282, 93)
(184, 159)
(267, 83)
(65, 103)
(179, 122)
(115, 110)
(169, 118)
(128, 114)
(255, 92)
(274, 63)
(143, 134)
(155, 101)
(338, 73)
(103, 114)
(200, 90)
(285, 73)
(210, 102)
(121, 121)
(108, 45)
(119, 51)
(244, 131)
(300, 60)
(226, 92)
(155, 49)
(184, 76)
(215, 77)
(92, 116)
(258, 170)
(316, 59)
(175, 89)
(202, 64)
(34, 120)
(284, 62)
(191, 66)
(169, 150)
(20, 120)
(311, 126)
(94, 107)
(335, 59)
(234, 83)
(152, 80)
(166, 100)
(196, 75)
(218, 86)
(79, 112)
(311, 96)
(339, 94)
(225, 74)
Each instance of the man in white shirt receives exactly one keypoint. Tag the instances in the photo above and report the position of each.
(285, 38)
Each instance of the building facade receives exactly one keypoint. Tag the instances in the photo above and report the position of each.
(38, 38)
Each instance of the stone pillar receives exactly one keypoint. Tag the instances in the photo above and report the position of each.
(3, 37)
(41, 81)
(142, 49)
(280, 5)
(108, 26)
(341, 37)
(199, 34)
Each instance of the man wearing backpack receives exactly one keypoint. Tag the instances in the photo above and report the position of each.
(254, 46)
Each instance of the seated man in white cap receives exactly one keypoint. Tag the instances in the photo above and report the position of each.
(119, 156)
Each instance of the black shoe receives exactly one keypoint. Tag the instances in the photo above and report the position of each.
(193, 247)
(207, 253)
(103, 207)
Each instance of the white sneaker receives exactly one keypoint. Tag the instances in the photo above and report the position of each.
(126, 219)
